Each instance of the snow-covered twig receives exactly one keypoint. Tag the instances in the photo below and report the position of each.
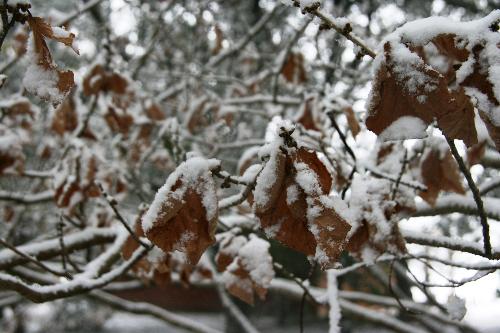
(73, 287)
(112, 203)
(27, 198)
(333, 300)
(347, 33)
(33, 260)
(51, 248)
(455, 203)
(151, 310)
(448, 243)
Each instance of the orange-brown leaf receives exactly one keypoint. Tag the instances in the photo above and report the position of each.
(352, 121)
(440, 173)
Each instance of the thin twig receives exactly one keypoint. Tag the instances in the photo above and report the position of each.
(401, 172)
(347, 33)
(477, 197)
(33, 260)
(112, 203)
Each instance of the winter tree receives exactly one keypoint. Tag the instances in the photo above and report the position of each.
(305, 165)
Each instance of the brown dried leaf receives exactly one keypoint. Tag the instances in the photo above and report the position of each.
(154, 112)
(42, 30)
(251, 271)
(182, 223)
(476, 153)
(219, 38)
(457, 120)
(65, 118)
(284, 216)
(450, 104)
(98, 79)
(392, 101)
(352, 121)
(293, 70)
(306, 116)
(440, 173)
(119, 123)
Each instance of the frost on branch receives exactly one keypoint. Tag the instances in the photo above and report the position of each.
(292, 203)
(42, 77)
(247, 266)
(435, 68)
(183, 214)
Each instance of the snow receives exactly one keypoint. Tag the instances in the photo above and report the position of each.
(406, 127)
(292, 194)
(195, 175)
(340, 22)
(459, 203)
(267, 176)
(256, 259)
(307, 180)
(456, 307)
(333, 300)
(42, 83)
(407, 66)
(410, 70)
(34, 249)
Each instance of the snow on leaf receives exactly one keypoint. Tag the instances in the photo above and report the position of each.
(251, 271)
(376, 216)
(42, 77)
(183, 214)
(292, 204)
(456, 307)
(440, 73)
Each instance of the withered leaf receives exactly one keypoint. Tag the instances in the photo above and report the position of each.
(65, 118)
(476, 153)
(119, 121)
(293, 70)
(183, 215)
(306, 115)
(450, 103)
(63, 80)
(440, 173)
(297, 211)
(352, 121)
(42, 30)
(98, 79)
(154, 112)
(251, 271)
(377, 217)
